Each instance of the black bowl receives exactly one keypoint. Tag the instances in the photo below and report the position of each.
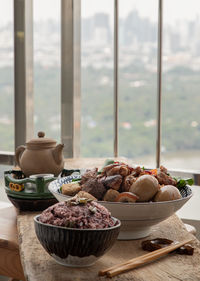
(32, 204)
(76, 247)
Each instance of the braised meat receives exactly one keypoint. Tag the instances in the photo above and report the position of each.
(94, 187)
(117, 169)
(163, 169)
(165, 179)
(113, 182)
(88, 175)
(127, 182)
(107, 168)
(119, 181)
(137, 171)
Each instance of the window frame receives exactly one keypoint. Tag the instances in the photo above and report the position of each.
(70, 79)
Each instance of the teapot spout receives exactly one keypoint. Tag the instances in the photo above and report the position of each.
(57, 153)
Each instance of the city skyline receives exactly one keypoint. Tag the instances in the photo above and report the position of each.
(171, 9)
(136, 35)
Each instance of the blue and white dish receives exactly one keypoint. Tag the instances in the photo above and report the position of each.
(55, 187)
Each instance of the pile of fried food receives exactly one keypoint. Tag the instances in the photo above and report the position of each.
(119, 182)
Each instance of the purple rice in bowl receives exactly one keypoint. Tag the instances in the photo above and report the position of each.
(76, 232)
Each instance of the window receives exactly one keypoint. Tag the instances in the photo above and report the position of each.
(97, 82)
(47, 67)
(138, 43)
(181, 84)
(6, 77)
(116, 99)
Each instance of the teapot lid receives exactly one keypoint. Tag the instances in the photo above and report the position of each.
(41, 142)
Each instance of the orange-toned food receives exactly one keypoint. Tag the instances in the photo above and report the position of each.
(111, 195)
(71, 188)
(119, 182)
(127, 197)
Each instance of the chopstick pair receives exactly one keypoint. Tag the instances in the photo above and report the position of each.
(141, 260)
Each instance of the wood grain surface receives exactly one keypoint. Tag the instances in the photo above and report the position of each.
(88, 163)
(38, 265)
(10, 263)
(8, 228)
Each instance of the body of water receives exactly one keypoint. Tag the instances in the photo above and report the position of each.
(181, 160)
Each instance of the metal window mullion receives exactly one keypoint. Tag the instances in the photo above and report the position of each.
(116, 17)
(23, 70)
(159, 81)
(70, 77)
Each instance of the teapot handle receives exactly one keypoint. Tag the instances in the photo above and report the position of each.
(20, 149)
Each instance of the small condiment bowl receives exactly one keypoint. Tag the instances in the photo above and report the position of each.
(76, 247)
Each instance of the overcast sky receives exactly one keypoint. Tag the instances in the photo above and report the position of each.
(173, 9)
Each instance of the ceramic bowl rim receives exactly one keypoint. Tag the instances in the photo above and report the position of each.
(51, 189)
(118, 225)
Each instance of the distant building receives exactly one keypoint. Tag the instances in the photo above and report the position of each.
(96, 30)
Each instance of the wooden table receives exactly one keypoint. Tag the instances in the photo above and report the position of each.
(38, 265)
(10, 264)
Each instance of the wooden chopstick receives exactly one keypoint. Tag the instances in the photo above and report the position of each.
(104, 271)
(141, 260)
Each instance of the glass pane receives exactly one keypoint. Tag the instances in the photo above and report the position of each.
(47, 67)
(3, 196)
(138, 80)
(181, 84)
(97, 78)
(6, 76)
